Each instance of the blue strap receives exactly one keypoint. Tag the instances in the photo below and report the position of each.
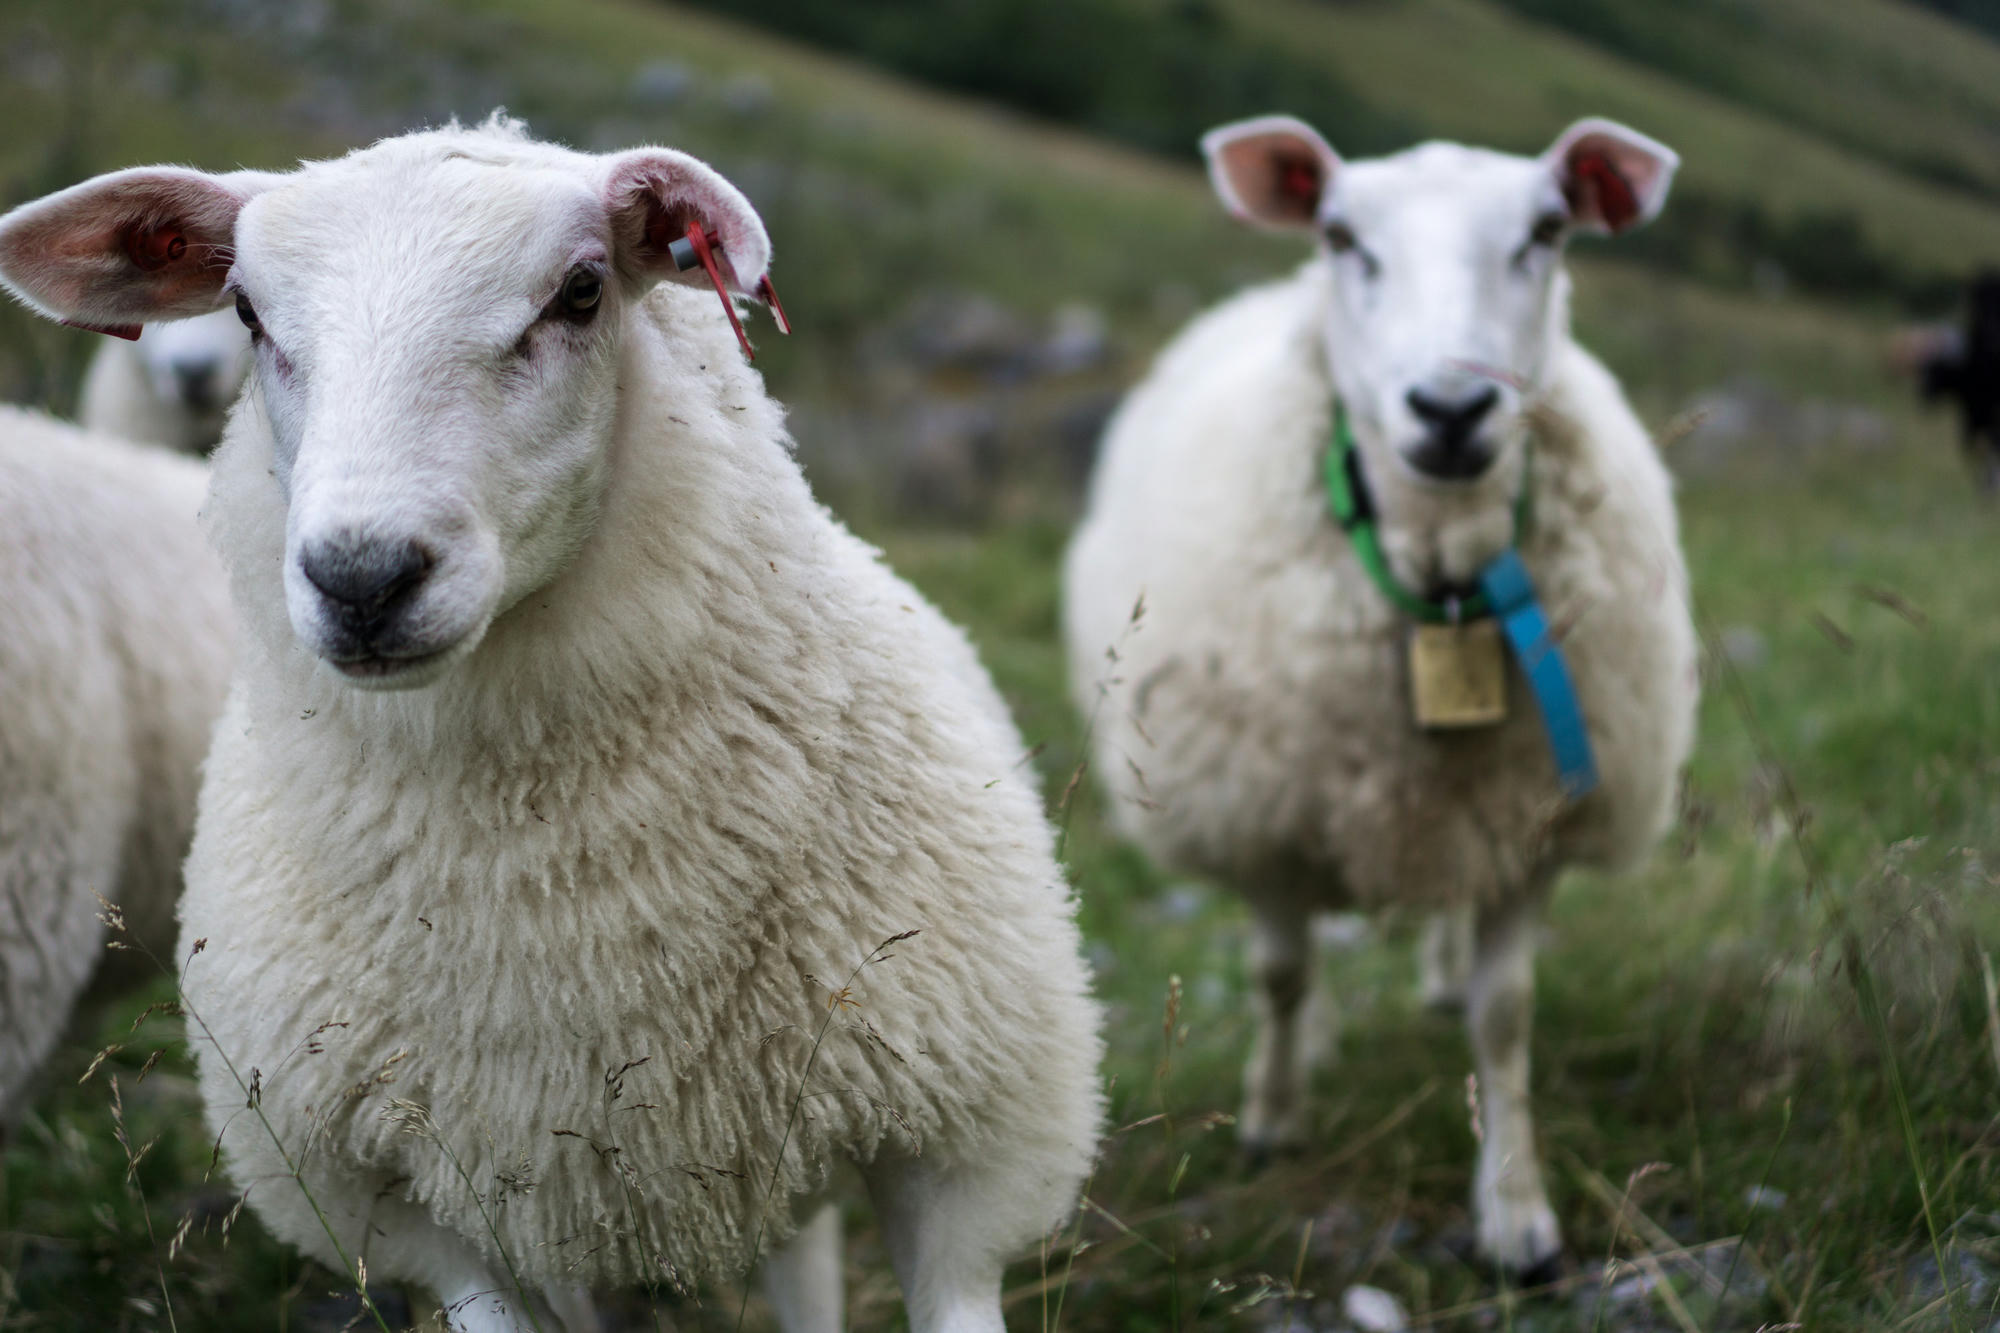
(1511, 595)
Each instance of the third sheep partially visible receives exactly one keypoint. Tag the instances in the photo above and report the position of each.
(173, 386)
(115, 651)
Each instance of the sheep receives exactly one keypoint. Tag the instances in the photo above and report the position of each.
(1964, 365)
(600, 843)
(172, 385)
(1253, 713)
(115, 647)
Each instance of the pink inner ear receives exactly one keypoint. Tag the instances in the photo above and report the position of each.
(1298, 179)
(1616, 202)
(153, 248)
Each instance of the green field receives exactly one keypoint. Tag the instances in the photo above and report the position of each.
(1742, 1011)
(1768, 1065)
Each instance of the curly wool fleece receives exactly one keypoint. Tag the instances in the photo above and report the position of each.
(1256, 725)
(115, 651)
(652, 825)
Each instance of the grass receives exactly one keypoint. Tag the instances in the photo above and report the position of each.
(1765, 1032)
(1758, 1028)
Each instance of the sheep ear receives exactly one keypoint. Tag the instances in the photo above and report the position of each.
(1271, 171)
(654, 195)
(127, 248)
(1614, 178)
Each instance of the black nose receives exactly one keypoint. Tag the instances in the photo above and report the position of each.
(1451, 447)
(197, 383)
(1456, 416)
(365, 582)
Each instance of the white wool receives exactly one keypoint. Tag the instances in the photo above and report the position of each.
(114, 656)
(174, 386)
(1256, 723)
(652, 823)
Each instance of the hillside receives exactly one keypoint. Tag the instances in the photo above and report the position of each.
(1881, 77)
(1849, 220)
(879, 191)
(1851, 144)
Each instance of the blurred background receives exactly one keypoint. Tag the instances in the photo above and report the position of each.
(1768, 1066)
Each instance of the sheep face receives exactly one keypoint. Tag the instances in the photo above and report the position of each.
(1448, 293)
(197, 365)
(435, 356)
(437, 325)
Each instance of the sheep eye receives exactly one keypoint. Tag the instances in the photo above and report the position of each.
(248, 314)
(1548, 229)
(1340, 237)
(581, 291)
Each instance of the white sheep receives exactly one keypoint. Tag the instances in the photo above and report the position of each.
(578, 760)
(172, 385)
(114, 656)
(1255, 721)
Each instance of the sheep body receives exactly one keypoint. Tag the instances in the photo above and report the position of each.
(672, 802)
(1255, 725)
(114, 656)
(173, 386)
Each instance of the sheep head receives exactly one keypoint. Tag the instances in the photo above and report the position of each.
(196, 365)
(438, 323)
(1447, 296)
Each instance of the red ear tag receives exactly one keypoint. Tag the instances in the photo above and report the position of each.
(129, 332)
(769, 295)
(1615, 199)
(701, 243)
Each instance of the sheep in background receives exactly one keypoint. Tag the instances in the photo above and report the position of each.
(578, 760)
(172, 386)
(1963, 365)
(115, 649)
(1254, 719)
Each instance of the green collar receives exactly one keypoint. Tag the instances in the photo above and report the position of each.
(1354, 509)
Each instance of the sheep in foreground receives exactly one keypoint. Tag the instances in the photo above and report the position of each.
(1254, 719)
(173, 385)
(114, 656)
(579, 765)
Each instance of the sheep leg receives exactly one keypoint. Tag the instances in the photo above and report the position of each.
(1274, 1083)
(572, 1308)
(803, 1280)
(1516, 1227)
(939, 1225)
(1319, 1026)
(1444, 959)
(477, 1297)
(477, 1303)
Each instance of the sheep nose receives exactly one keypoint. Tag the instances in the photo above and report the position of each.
(196, 381)
(1455, 417)
(1451, 448)
(365, 582)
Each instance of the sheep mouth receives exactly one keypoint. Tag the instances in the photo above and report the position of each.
(1451, 460)
(373, 670)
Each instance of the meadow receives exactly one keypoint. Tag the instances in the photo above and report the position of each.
(1767, 1065)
